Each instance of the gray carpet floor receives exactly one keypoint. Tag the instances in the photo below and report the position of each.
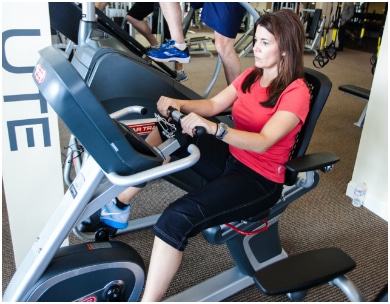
(324, 217)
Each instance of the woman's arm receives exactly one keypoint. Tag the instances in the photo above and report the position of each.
(203, 107)
(281, 123)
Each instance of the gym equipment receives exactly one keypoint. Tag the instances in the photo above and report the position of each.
(360, 93)
(123, 93)
(374, 57)
(196, 45)
(301, 272)
(364, 24)
(321, 59)
(328, 52)
(316, 30)
(65, 18)
(120, 158)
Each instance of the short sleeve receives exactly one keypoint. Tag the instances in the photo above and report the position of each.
(295, 99)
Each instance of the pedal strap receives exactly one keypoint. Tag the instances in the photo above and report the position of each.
(303, 271)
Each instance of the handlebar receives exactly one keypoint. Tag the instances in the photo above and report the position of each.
(156, 172)
(128, 110)
(177, 116)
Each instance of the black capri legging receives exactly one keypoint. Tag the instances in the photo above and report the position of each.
(234, 192)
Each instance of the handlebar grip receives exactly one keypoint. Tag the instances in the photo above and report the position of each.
(199, 131)
(176, 115)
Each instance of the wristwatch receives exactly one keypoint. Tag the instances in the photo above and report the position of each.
(223, 130)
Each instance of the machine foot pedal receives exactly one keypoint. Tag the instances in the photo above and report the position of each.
(303, 271)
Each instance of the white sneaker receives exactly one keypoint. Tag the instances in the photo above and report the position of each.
(112, 216)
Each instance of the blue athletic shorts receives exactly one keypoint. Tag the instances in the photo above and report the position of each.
(223, 17)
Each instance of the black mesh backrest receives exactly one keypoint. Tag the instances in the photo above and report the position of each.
(320, 87)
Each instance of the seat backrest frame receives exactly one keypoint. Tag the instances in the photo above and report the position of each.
(320, 87)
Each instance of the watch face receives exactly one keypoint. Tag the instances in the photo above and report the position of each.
(223, 130)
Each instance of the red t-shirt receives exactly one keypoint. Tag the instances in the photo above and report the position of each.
(250, 115)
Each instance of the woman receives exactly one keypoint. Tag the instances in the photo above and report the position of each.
(244, 164)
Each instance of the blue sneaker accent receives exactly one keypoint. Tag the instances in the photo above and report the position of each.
(112, 216)
(169, 53)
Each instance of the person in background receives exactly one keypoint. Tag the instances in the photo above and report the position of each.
(225, 19)
(346, 15)
(101, 5)
(135, 16)
(175, 50)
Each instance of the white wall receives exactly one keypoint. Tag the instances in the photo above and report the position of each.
(371, 164)
(31, 163)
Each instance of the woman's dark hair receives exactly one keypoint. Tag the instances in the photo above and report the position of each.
(289, 34)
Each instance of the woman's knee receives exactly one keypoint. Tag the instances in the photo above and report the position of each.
(178, 221)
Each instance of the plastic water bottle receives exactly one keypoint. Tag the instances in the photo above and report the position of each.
(359, 195)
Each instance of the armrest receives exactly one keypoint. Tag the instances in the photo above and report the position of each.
(317, 161)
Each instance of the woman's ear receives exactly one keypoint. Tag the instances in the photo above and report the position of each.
(283, 54)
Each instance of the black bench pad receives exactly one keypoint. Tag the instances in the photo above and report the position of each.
(303, 271)
(355, 90)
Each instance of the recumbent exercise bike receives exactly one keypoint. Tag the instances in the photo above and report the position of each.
(100, 271)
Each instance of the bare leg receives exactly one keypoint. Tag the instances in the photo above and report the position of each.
(164, 263)
(179, 53)
(230, 60)
(172, 14)
(178, 66)
(144, 29)
(126, 196)
(101, 5)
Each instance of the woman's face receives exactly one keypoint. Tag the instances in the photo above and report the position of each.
(266, 49)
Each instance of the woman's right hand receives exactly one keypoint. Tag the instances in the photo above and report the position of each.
(165, 102)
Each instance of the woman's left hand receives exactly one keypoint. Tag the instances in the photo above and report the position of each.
(192, 120)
